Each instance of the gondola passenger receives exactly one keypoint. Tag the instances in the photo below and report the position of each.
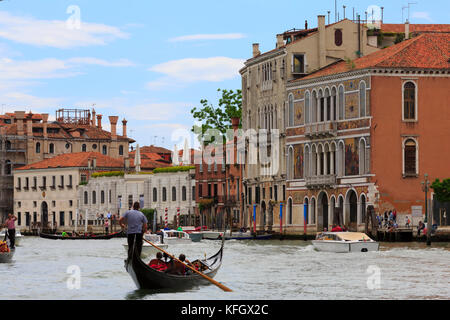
(176, 267)
(158, 263)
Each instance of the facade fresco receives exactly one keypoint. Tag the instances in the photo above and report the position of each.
(351, 157)
(298, 113)
(298, 161)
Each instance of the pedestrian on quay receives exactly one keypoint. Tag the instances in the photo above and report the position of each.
(137, 226)
(386, 218)
(11, 226)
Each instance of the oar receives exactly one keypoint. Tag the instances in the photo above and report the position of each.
(221, 286)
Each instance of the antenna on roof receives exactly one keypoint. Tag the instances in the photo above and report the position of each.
(328, 17)
(344, 10)
(409, 4)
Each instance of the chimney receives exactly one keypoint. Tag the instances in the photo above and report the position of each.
(306, 24)
(30, 127)
(93, 117)
(406, 29)
(113, 121)
(256, 51)
(44, 121)
(94, 163)
(124, 128)
(99, 121)
(20, 116)
(280, 41)
(322, 40)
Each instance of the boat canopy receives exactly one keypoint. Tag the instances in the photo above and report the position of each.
(353, 236)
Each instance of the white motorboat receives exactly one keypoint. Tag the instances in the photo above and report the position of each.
(195, 235)
(18, 238)
(147, 249)
(344, 242)
(175, 237)
(212, 235)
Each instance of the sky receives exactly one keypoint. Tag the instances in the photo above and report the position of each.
(150, 61)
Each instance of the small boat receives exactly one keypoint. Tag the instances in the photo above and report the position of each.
(6, 257)
(344, 242)
(148, 278)
(245, 235)
(212, 235)
(6, 253)
(175, 236)
(193, 233)
(147, 249)
(18, 238)
(81, 236)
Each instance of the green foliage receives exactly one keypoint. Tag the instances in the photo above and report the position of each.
(442, 189)
(148, 213)
(205, 204)
(108, 174)
(399, 38)
(173, 169)
(219, 118)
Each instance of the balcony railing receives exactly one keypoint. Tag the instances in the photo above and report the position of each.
(321, 181)
(321, 129)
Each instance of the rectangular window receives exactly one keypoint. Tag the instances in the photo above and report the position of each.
(298, 63)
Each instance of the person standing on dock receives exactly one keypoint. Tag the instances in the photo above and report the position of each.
(137, 226)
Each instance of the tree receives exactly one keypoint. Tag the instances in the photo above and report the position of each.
(442, 189)
(218, 118)
(148, 213)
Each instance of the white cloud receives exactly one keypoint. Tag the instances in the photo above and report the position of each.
(56, 33)
(217, 36)
(15, 101)
(190, 70)
(422, 15)
(51, 68)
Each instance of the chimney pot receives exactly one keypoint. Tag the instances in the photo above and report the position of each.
(113, 121)
(280, 41)
(99, 121)
(256, 51)
(306, 24)
(124, 128)
(406, 29)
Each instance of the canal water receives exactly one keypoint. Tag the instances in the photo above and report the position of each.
(256, 270)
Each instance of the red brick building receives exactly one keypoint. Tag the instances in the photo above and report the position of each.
(369, 129)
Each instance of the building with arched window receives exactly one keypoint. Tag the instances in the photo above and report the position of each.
(373, 151)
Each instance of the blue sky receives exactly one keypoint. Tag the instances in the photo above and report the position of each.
(150, 61)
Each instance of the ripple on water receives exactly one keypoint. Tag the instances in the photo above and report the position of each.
(252, 269)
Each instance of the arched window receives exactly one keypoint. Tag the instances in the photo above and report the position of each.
(8, 167)
(363, 208)
(164, 194)
(409, 101)
(83, 148)
(94, 197)
(334, 115)
(410, 158)
(102, 197)
(38, 147)
(51, 148)
(338, 37)
(289, 213)
(8, 145)
(121, 150)
(155, 195)
(183, 193)
(291, 163)
(306, 209)
(341, 103)
(105, 149)
(85, 197)
(174, 194)
(291, 111)
(307, 111)
(362, 99)
(362, 157)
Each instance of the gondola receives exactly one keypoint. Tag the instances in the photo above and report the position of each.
(147, 278)
(6, 257)
(81, 237)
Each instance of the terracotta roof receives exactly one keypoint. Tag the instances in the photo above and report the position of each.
(426, 51)
(154, 149)
(79, 159)
(418, 28)
(148, 164)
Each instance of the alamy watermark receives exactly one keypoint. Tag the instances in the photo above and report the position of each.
(74, 280)
(374, 279)
(74, 20)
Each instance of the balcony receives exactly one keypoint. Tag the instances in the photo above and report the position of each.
(318, 182)
(321, 129)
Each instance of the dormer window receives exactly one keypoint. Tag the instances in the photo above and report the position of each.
(298, 63)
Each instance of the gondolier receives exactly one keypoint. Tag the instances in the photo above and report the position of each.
(137, 226)
(11, 225)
